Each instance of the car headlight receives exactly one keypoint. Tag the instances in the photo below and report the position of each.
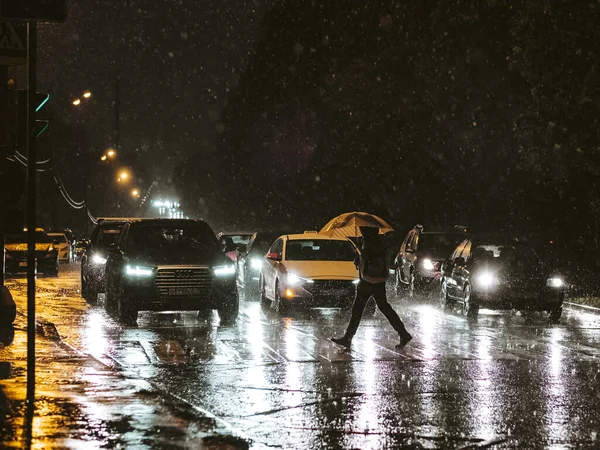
(428, 264)
(487, 280)
(256, 263)
(98, 260)
(224, 271)
(294, 279)
(555, 282)
(138, 271)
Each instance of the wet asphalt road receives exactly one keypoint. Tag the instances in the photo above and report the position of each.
(501, 381)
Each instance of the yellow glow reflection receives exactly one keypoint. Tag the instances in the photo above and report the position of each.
(94, 337)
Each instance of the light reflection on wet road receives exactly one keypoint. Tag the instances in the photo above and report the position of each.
(517, 380)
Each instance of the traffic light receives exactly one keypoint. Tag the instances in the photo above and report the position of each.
(41, 125)
(34, 10)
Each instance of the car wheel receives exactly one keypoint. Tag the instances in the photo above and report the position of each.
(445, 301)
(280, 305)
(126, 312)
(410, 293)
(262, 292)
(470, 308)
(88, 292)
(228, 312)
(110, 302)
(555, 314)
(397, 282)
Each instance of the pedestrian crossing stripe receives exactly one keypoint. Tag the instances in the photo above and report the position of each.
(9, 38)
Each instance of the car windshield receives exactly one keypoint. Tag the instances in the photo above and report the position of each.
(319, 250)
(21, 238)
(236, 238)
(507, 254)
(175, 237)
(61, 238)
(108, 236)
(439, 241)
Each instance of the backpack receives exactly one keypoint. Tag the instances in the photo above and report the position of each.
(373, 265)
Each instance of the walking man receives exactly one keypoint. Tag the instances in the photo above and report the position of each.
(373, 270)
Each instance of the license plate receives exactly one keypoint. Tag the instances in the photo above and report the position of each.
(183, 292)
(23, 264)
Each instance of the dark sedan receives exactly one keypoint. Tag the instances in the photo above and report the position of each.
(497, 274)
(15, 253)
(169, 265)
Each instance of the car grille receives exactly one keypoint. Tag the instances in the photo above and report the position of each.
(330, 287)
(183, 282)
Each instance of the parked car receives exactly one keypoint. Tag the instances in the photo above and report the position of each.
(249, 260)
(311, 270)
(232, 241)
(93, 260)
(15, 254)
(417, 265)
(169, 264)
(63, 245)
(495, 273)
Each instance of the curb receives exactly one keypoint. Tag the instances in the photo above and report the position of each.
(586, 308)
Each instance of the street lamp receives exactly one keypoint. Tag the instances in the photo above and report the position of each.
(111, 153)
(76, 102)
(135, 193)
(87, 94)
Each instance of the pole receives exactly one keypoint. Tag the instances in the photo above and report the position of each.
(31, 209)
(4, 144)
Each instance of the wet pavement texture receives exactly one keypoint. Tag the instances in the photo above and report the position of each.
(502, 380)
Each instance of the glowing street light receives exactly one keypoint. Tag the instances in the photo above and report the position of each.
(135, 193)
(124, 175)
(87, 94)
(76, 102)
(111, 153)
(103, 158)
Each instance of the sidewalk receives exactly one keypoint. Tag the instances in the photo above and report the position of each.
(82, 404)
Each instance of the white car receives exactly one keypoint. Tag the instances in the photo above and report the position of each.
(311, 270)
(65, 253)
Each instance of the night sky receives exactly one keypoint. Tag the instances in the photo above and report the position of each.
(176, 60)
(290, 112)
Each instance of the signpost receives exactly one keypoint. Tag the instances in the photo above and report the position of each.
(13, 40)
(30, 11)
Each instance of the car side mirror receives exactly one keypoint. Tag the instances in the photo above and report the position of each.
(274, 256)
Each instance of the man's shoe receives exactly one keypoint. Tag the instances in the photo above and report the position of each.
(405, 339)
(343, 341)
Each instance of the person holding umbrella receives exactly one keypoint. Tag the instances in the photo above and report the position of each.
(373, 270)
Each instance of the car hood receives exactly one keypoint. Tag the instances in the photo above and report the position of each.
(180, 257)
(39, 247)
(323, 270)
